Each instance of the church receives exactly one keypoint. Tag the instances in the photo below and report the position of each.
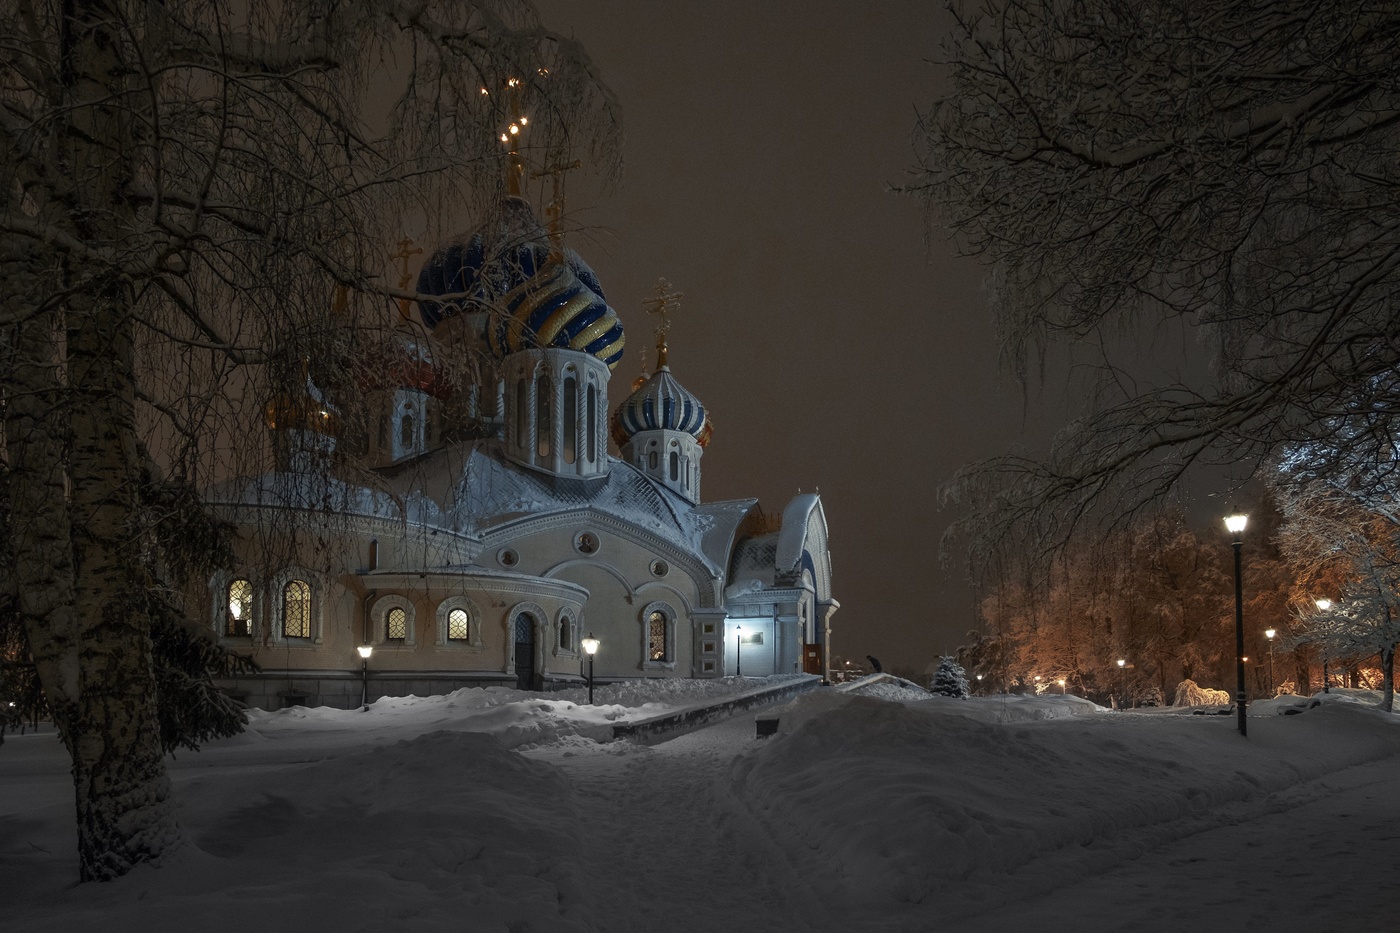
(479, 530)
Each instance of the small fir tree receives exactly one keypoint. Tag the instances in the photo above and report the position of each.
(950, 680)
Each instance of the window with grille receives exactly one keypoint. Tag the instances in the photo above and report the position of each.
(656, 637)
(396, 625)
(296, 609)
(240, 608)
(458, 626)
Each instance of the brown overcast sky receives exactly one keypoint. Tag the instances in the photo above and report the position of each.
(834, 349)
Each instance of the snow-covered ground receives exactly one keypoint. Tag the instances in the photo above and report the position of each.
(872, 809)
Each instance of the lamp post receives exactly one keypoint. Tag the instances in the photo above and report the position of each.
(1062, 686)
(1269, 634)
(590, 648)
(738, 649)
(1322, 606)
(365, 651)
(1235, 525)
(1122, 681)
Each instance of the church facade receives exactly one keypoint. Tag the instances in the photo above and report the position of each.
(479, 529)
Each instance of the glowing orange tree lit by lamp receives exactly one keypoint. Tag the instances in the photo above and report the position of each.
(1235, 525)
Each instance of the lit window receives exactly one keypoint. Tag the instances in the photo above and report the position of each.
(296, 609)
(240, 608)
(396, 625)
(656, 637)
(543, 422)
(570, 419)
(458, 625)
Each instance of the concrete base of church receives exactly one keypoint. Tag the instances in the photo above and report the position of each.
(274, 690)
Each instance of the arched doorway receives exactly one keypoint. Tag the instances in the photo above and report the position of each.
(525, 651)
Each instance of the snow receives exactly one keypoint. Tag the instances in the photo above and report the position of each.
(873, 808)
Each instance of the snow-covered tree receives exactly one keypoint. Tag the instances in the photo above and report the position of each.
(1348, 555)
(950, 680)
(185, 185)
(1217, 169)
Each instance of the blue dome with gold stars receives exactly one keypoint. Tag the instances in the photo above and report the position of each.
(534, 296)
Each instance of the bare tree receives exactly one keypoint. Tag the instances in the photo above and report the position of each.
(1220, 167)
(184, 186)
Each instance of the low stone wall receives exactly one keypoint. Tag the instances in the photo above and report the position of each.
(670, 725)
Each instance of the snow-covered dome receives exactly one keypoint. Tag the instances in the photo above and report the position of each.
(661, 402)
(533, 296)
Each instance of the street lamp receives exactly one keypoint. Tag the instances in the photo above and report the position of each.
(1235, 525)
(1322, 606)
(738, 649)
(1062, 686)
(1269, 634)
(365, 651)
(590, 648)
(1122, 681)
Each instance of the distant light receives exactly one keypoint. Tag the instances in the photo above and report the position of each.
(1122, 663)
(1269, 634)
(542, 72)
(1324, 604)
(513, 82)
(1061, 681)
(365, 651)
(979, 676)
(485, 93)
(514, 129)
(505, 138)
(524, 121)
(1037, 678)
(1235, 523)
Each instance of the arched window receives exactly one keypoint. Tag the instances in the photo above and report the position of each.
(406, 432)
(651, 460)
(396, 625)
(566, 641)
(522, 414)
(296, 609)
(543, 421)
(592, 423)
(458, 625)
(240, 608)
(570, 418)
(675, 466)
(657, 647)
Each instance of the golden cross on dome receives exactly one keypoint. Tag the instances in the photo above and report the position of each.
(665, 302)
(555, 210)
(406, 251)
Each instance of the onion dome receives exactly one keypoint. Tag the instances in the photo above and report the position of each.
(534, 296)
(661, 403)
(306, 410)
(407, 363)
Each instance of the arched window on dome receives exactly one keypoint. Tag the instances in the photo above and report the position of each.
(675, 466)
(543, 419)
(570, 416)
(522, 414)
(651, 460)
(592, 422)
(406, 431)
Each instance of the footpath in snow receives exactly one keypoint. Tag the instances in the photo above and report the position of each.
(495, 810)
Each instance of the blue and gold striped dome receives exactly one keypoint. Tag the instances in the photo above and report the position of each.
(661, 402)
(533, 298)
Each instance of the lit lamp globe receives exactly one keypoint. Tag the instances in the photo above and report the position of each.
(1270, 633)
(1323, 604)
(365, 651)
(590, 645)
(1235, 523)
(1122, 663)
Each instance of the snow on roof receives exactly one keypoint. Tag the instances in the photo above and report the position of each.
(492, 494)
(323, 494)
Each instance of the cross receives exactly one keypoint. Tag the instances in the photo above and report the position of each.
(665, 301)
(555, 210)
(406, 250)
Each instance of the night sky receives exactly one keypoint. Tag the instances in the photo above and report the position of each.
(835, 349)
